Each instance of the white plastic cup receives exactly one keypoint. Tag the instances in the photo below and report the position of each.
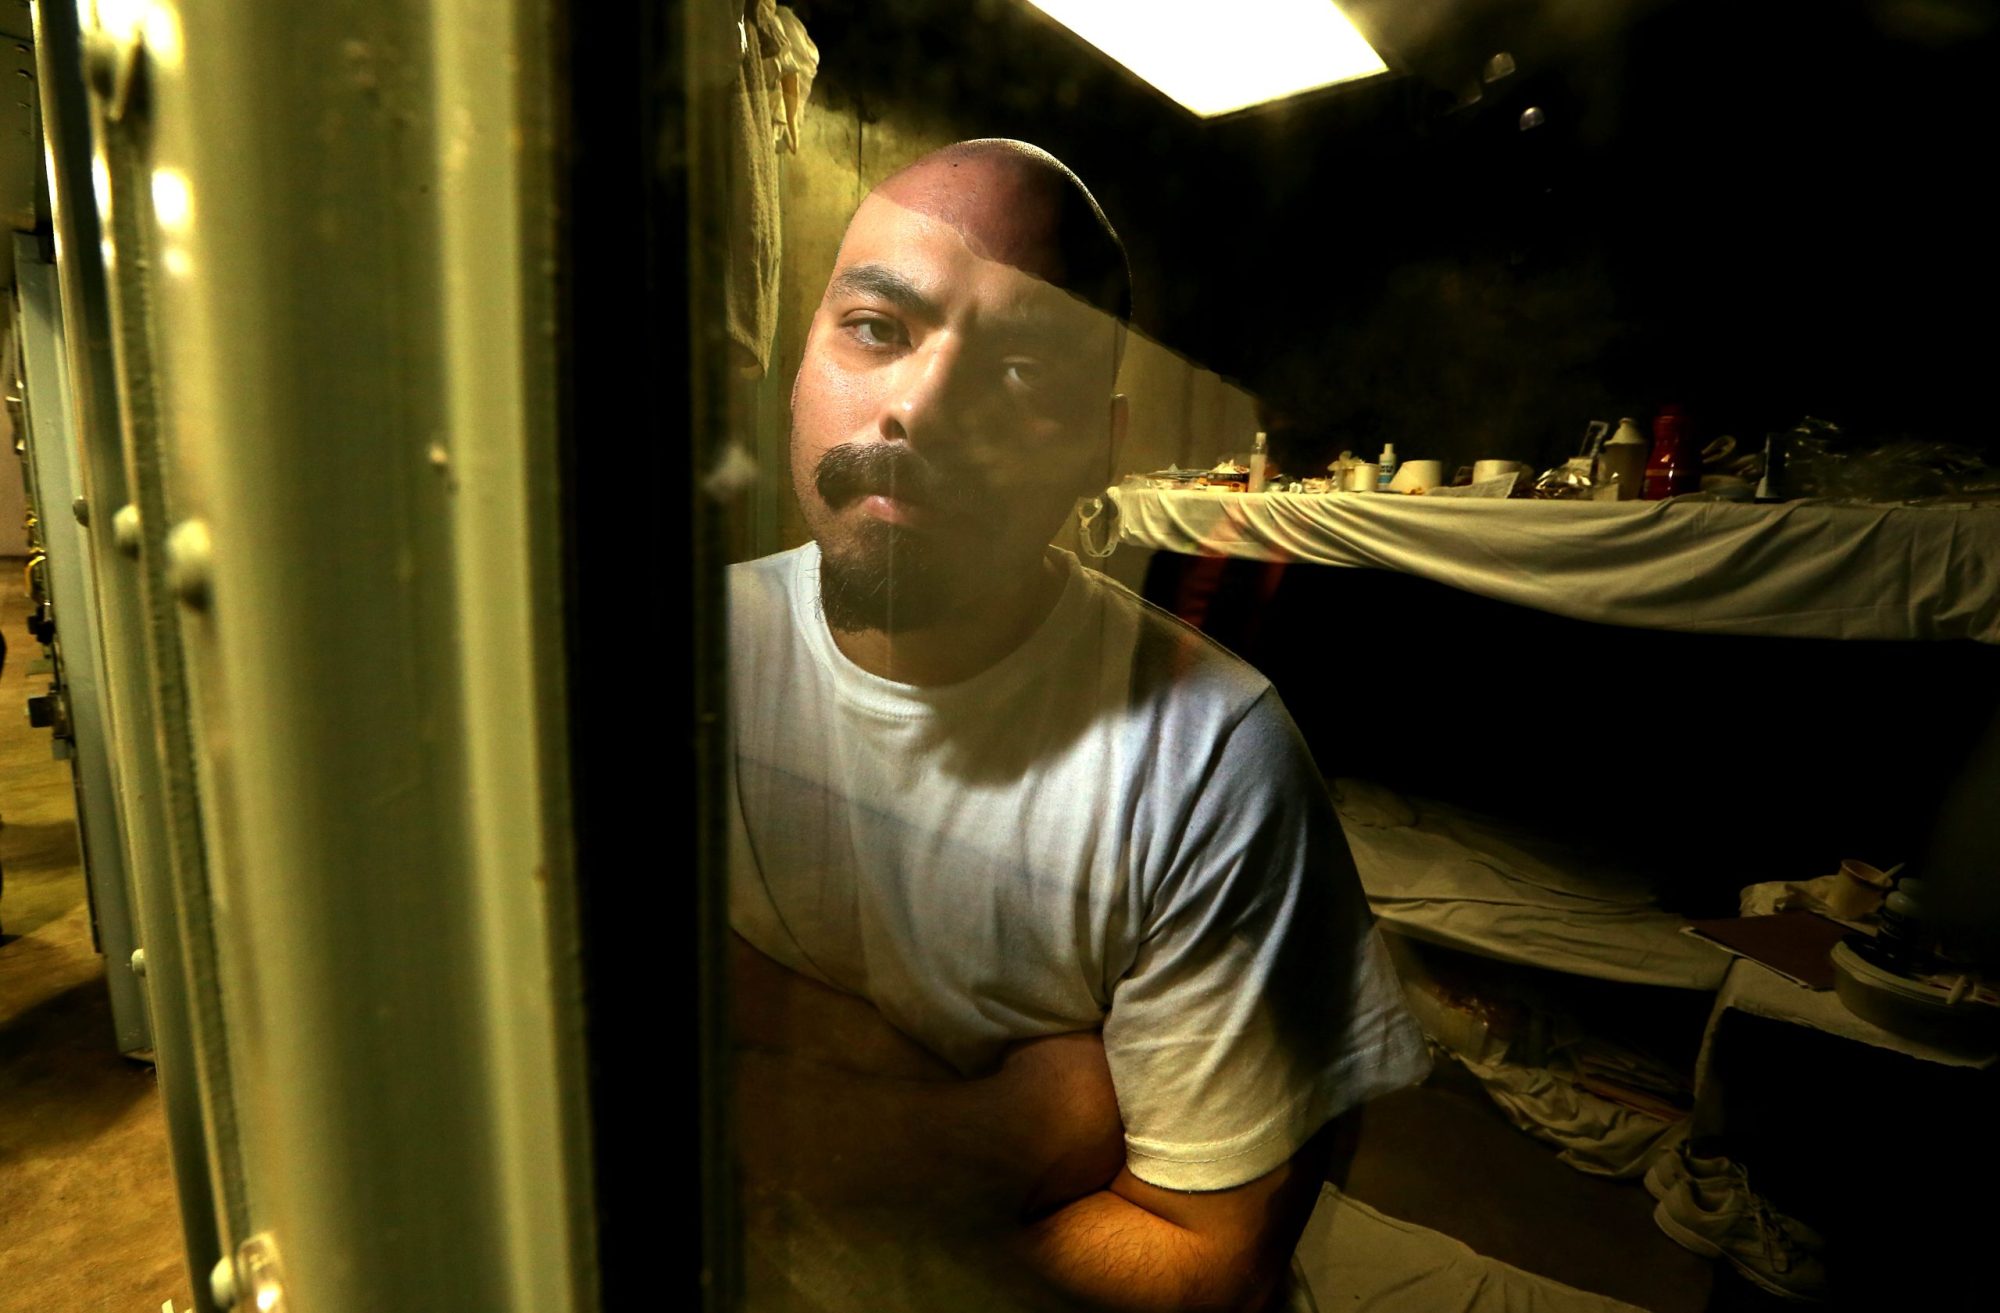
(1494, 469)
(1414, 474)
(1362, 477)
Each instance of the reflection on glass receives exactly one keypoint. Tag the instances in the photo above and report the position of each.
(173, 202)
(1622, 560)
(1054, 968)
(1216, 59)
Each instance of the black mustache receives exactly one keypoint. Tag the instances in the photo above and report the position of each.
(864, 469)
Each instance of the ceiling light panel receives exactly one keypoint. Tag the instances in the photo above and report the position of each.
(1219, 56)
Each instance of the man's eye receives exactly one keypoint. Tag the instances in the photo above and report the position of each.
(873, 331)
(1024, 373)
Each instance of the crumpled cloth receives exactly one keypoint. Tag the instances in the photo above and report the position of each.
(791, 69)
(1591, 1133)
(775, 67)
(1829, 895)
(1356, 1260)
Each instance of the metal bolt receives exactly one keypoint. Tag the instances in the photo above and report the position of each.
(259, 1278)
(222, 1283)
(80, 508)
(139, 963)
(125, 529)
(189, 563)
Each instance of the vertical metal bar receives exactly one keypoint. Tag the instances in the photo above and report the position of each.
(333, 236)
(710, 56)
(58, 492)
(126, 210)
(78, 236)
(496, 250)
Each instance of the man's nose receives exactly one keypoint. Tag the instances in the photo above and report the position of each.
(927, 401)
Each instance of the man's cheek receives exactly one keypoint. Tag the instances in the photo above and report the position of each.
(1040, 499)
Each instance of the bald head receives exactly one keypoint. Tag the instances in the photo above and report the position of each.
(1019, 205)
(956, 393)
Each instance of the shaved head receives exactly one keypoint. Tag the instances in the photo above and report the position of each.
(1019, 205)
(957, 390)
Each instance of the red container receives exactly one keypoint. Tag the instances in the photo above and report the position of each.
(1675, 466)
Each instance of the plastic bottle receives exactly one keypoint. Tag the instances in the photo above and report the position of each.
(1771, 487)
(1387, 460)
(1622, 462)
(1258, 449)
(1675, 466)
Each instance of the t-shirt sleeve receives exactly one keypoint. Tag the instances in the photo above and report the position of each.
(1261, 1002)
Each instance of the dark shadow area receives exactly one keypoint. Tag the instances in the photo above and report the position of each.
(1441, 1155)
(1708, 762)
(38, 868)
(44, 846)
(1758, 215)
(61, 1076)
(1891, 1158)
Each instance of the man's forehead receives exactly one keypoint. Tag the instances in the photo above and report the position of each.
(889, 243)
(1002, 210)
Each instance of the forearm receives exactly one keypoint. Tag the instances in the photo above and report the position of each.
(1135, 1246)
(1106, 1253)
(836, 1103)
(1018, 1173)
(941, 1152)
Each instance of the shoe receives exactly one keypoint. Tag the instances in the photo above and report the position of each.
(1725, 1219)
(1675, 1163)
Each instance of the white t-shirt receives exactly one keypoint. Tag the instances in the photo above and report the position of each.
(1117, 825)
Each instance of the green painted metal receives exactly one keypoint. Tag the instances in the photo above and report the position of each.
(332, 253)
(56, 478)
(128, 678)
(307, 262)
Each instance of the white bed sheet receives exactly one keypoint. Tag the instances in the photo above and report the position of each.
(1799, 569)
(1354, 1259)
(1446, 876)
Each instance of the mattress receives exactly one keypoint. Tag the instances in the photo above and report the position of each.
(1795, 570)
(1450, 877)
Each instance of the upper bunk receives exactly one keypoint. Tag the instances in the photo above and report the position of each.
(1789, 569)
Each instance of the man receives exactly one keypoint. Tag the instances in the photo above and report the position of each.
(1054, 948)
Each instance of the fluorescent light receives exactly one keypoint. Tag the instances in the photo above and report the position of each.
(1217, 56)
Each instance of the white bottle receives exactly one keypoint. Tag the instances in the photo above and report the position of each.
(1257, 462)
(1387, 460)
(1621, 466)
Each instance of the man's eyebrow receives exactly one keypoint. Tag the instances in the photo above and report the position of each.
(884, 283)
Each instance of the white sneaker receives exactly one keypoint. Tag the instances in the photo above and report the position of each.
(1724, 1218)
(1676, 1163)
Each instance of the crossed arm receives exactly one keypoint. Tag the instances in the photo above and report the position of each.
(837, 1105)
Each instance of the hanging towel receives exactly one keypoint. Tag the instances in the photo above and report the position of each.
(792, 70)
(775, 70)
